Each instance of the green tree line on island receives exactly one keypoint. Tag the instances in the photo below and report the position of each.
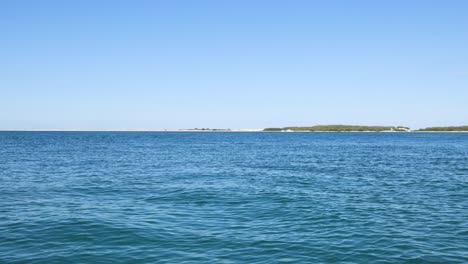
(352, 128)
(340, 128)
(443, 129)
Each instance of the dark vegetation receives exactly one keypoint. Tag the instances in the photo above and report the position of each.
(444, 129)
(340, 128)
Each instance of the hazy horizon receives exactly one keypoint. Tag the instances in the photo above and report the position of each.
(116, 65)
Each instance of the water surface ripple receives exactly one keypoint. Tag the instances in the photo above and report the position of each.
(117, 197)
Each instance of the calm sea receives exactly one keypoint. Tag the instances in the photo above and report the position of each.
(118, 197)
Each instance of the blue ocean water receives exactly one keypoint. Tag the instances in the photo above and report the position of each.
(118, 197)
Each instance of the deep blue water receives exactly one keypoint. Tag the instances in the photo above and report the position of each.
(98, 197)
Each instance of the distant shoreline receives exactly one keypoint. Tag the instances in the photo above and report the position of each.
(361, 128)
(231, 131)
(308, 129)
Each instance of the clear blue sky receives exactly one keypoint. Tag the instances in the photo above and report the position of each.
(182, 64)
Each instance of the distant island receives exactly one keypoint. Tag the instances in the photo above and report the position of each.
(353, 128)
(316, 128)
(340, 128)
(210, 129)
(445, 129)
